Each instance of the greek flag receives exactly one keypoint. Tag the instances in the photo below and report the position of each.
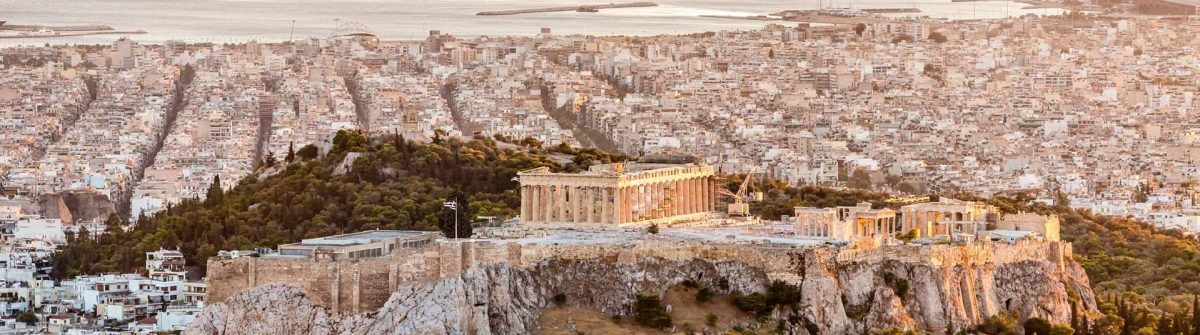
(451, 205)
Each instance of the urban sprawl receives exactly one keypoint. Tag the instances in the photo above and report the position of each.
(1100, 112)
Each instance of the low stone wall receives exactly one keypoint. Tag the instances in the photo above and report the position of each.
(356, 286)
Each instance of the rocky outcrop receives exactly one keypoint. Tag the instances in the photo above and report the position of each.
(840, 294)
(73, 206)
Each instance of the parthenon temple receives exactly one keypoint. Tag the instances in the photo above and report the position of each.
(619, 194)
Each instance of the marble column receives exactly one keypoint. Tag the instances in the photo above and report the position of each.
(683, 197)
(605, 204)
(590, 195)
(693, 196)
(617, 200)
(548, 203)
(536, 198)
(634, 203)
(658, 200)
(576, 203)
(705, 189)
(525, 204)
(637, 202)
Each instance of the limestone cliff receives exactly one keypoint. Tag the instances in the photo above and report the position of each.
(843, 292)
(74, 206)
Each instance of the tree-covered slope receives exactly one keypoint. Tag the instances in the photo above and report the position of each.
(391, 184)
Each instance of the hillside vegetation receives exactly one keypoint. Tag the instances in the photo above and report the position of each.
(392, 184)
(1147, 278)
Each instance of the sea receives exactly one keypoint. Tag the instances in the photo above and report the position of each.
(236, 21)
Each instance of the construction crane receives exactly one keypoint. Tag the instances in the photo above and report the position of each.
(740, 207)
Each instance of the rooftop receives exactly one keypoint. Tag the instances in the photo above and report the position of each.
(362, 237)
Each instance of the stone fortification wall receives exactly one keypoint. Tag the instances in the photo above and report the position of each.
(978, 253)
(355, 286)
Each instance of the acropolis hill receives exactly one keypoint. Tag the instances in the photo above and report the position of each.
(595, 240)
(499, 285)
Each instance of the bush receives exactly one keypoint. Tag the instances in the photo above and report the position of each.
(893, 331)
(711, 320)
(751, 303)
(781, 293)
(1037, 326)
(908, 236)
(691, 284)
(648, 311)
(704, 295)
(28, 317)
(999, 324)
(1061, 330)
(307, 152)
(938, 37)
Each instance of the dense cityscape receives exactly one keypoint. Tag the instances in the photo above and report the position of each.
(1092, 113)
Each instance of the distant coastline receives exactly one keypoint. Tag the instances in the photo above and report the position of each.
(580, 8)
(43, 31)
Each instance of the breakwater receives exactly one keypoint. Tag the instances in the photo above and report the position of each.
(580, 8)
(892, 10)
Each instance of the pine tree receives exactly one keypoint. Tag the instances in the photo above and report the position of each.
(291, 155)
(270, 160)
(1074, 315)
(1164, 325)
(216, 194)
(1195, 315)
(446, 219)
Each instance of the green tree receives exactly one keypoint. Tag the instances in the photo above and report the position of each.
(531, 142)
(908, 236)
(1037, 326)
(648, 311)
(270, 160)
(1061, 330)
(349, 141)
(938, 37)
(291, 154)
(999, 324)
(704, 295)
(893, 331)
(1109, 325)
(308, 152)
(653, 229)
(1195, 314)
(753, 303)
(215, 195)
(446, 220)
(28, 317)
(860, 179)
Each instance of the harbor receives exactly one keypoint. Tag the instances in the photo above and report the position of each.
(9, 31)
(581, 9)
